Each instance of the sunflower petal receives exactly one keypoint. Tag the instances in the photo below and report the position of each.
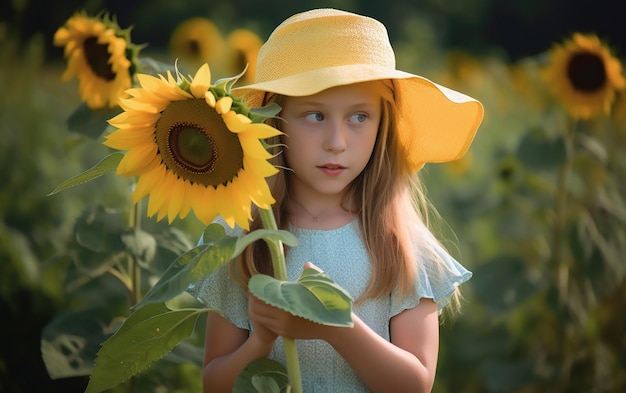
(257, 189)
(260, 168)
(148, 181)
(177, 196)
(201, 82)
(210, 99)
(185, 207)
(123, 139)
(202, 200)
(223, 105)
(160, 196)
(139, 159)
(253, 147)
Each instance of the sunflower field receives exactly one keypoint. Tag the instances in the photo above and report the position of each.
(536, 209)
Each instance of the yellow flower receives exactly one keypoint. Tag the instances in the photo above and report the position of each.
(459, 167)
(194, 148)
(196, 41)
(243, 48)
(100, 55)
(618, 111)
(584, 76)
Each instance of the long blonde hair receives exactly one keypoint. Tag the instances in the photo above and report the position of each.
(389, 202)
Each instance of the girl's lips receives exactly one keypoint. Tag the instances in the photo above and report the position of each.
(332, 169)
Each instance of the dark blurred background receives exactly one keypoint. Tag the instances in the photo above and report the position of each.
(515, 28)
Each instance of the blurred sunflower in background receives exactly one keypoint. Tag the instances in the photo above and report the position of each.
(100, 55)
(193, 147)
(196, 41)
(243, 47)
(584, 76)
(459, 167)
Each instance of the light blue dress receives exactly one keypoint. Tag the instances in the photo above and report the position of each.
(341, 254)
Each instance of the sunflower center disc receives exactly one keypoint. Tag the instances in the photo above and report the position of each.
(194, 47)
(195, 143)
(586, 72)
(191, 148)
(97, 57)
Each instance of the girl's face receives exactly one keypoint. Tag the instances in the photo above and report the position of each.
(330, 138)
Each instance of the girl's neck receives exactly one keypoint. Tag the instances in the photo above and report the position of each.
(308, 214)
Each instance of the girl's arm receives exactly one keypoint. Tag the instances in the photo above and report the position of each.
(406, 364)
(228, 350)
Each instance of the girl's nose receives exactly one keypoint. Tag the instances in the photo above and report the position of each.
(335, 138)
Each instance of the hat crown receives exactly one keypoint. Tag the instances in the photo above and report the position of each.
(323, 38)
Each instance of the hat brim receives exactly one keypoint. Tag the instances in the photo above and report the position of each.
(435, 123)
(315, 81)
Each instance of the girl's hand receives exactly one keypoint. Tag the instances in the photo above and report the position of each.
(263, 334)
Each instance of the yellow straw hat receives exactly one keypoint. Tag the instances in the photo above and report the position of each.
(323, 48)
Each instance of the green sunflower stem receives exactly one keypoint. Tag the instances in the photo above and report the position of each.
(560, 222)
(134, 268)
(280, 273)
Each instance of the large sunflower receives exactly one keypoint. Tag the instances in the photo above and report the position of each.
(99, 53)
(584, 76)
(194, 148)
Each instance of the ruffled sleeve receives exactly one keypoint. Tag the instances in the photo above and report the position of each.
(434, 282)
(219, 292)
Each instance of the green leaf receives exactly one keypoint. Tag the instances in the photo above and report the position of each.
(107, 164)
(262, 376)
(145, 337)
(201, 261)
(142, 245)
(263, 113)
(189, 268)
(244, 241)
(69, 343)
(539, 151)
(315, 296)
(91, 122)
(99, 244)
(193, 265)
(264, 384)
(90, 264)
(171, 243)
(214, 232)
(506, 276)
(100, 229)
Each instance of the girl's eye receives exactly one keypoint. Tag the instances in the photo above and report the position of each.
(359, 117)
(314, 117)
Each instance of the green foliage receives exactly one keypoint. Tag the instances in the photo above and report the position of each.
(146, 336)
(103, 259)
(153, 330)
(107, 164)
(70, 341)
(543, 230)
(262, 376)
(216, 249)
(314, 297)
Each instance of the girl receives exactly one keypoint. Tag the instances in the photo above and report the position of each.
(356, 131)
